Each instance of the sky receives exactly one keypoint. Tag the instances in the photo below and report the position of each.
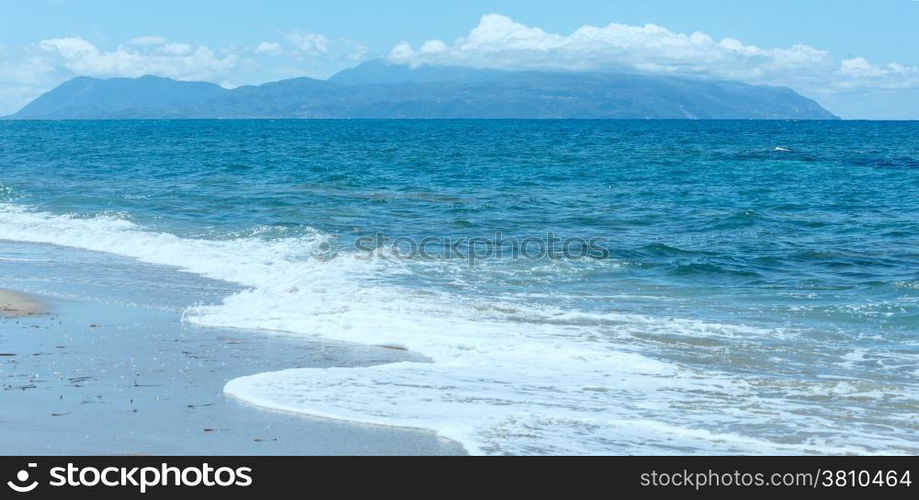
(858, 58)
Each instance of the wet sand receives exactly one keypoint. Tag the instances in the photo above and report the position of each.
(17, 305)
(100, 373)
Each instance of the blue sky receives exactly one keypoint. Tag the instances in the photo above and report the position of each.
(859, 58)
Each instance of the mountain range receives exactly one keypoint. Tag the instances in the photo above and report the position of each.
(380, 90)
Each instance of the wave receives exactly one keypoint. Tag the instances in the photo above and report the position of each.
(518, 378)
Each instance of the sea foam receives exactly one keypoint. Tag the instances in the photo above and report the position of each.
(519, 379)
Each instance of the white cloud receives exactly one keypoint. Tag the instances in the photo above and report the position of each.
(311, 44)
(268, 48)
(858, 72)
(497, 41)
(70, 48)
(26, 71)
(173, 60)
(434, 47)
(500, 42)
(314, 45)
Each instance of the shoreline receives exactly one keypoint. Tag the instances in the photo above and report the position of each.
(122, 357)
(18, 305)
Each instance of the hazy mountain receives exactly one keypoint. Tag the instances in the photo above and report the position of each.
(380, 90)
(144, 97)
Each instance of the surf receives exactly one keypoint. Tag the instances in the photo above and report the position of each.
(506, 377)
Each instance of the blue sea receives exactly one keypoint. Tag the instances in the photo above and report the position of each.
(746, 287)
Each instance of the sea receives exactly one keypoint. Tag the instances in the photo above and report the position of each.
(574, 287)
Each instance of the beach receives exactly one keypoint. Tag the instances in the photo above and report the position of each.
(518, 287)
(88, 367)
(16, 305)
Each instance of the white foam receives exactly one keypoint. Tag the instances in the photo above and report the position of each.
(504, 378)
(248, 261)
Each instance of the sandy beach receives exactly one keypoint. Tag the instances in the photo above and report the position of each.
(16, 305)
(107, 367)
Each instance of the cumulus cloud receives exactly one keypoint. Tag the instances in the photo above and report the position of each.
(158, 56)
(316, 45)
(309, 43)
(28, 70)
(858, 72)
(496, 42)
(268, 48)
(500, 42)
(173, 60)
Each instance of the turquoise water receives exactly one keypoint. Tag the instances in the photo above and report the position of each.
(757, 289)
